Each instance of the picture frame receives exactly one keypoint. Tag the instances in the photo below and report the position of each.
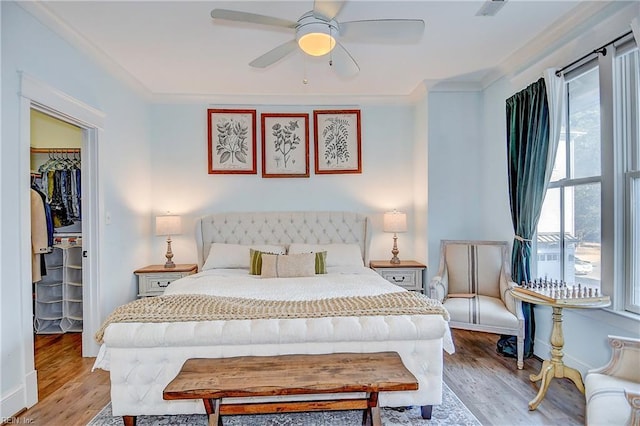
(232, 141)
(285, 145)
(338, 147)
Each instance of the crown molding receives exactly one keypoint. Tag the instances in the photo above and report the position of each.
(454, 86)
(43, 14)
(266, 99)
(563, 31)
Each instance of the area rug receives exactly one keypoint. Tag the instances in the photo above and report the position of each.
(451, 412)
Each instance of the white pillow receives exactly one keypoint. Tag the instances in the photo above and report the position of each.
(337, 254)
(236, 255)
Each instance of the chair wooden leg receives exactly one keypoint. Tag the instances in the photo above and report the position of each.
(520, 351)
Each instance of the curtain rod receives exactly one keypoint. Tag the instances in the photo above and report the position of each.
(602, 49)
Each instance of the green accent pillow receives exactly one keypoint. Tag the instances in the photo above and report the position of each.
(321, 262)
(255, 262)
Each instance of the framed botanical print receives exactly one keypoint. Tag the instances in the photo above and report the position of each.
(232, 141)
(337, 141)
(285, 145)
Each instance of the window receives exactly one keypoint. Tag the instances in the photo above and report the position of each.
(569, 226)
(627, 94)
(589, 228)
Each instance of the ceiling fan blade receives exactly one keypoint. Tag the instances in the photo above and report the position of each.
(274, 55)
(381, 30)
(327, 9)
(233, 15)
(342, 62)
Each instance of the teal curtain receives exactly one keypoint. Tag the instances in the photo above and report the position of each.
(528, 151)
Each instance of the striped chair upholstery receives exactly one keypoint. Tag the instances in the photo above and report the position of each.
(612, 391)
(473, 282)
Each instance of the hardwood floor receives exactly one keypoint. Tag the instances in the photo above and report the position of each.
(498, 393)
(487, 383)
(69, 393)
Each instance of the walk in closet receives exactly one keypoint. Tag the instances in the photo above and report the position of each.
(56, 223)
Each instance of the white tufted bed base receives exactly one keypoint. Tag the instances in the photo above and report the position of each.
(143, 357)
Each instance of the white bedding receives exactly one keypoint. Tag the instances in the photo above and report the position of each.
(143, 357)
(339, 281)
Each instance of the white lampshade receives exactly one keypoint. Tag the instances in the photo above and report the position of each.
(168, 225)
(395, 222)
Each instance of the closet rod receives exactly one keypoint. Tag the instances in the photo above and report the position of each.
(55, 150)
(602, 49)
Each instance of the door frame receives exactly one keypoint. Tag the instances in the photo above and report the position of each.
(35, 94)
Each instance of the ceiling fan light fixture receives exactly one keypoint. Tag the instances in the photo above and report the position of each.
(315, 39)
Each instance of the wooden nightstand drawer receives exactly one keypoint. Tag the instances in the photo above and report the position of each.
(401, 277)
(407, 274)
(153, 279)
(152, 284)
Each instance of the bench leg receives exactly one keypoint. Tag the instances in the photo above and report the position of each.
(212, 407)
(129, 420)
(425, 411)
(371, 416)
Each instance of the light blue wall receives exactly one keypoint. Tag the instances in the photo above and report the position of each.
(455, 149)
(182, 185)
(124, 171)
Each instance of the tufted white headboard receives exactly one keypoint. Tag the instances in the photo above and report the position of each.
(282, 228)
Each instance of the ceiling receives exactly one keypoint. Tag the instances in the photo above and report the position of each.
(174, 47)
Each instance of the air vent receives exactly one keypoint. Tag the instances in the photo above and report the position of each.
(490, 7)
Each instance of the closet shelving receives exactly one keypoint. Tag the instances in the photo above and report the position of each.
(48, 298)
(58, 304)
(72, 290)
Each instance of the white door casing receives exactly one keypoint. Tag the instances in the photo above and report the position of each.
(35, 94)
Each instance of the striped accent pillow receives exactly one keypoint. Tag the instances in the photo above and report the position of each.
(288, 266)
(255, 262)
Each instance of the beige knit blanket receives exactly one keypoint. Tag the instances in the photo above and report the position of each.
(195, 307)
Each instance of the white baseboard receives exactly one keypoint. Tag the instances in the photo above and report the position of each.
(542, 349)
(31, 392)
(19, 398)
(11, 404)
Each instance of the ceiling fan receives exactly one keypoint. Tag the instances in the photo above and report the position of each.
(317, 33)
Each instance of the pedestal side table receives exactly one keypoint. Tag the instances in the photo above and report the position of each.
(554, 367)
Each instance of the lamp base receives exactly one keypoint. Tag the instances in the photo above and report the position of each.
(169, 264)
(395, 260)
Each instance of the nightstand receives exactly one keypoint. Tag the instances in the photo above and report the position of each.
(407, 274)
(153, 279)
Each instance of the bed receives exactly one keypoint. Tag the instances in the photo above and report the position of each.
(142, 356)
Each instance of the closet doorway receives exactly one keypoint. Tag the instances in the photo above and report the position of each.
(56, 237)
(81, 265)
(56, 227)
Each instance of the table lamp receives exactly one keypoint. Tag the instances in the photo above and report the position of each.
(168, 225)
(395, 222)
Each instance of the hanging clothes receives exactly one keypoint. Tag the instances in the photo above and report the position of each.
(61, 181)
(47, 213)
(39, 237)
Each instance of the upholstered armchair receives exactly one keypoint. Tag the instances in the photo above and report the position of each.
(613, 391)
(473, 283)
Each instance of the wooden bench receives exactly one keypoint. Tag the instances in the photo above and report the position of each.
(251, 376)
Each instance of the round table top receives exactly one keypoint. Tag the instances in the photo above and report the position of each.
(562, 303)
